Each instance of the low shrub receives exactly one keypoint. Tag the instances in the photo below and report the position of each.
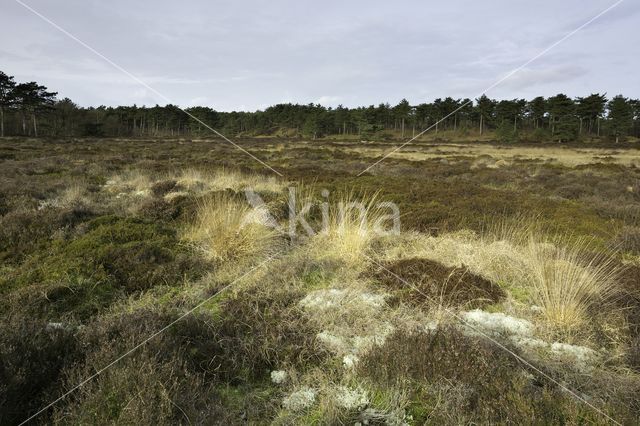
(33, 355)
(163, 187)
(23, 232)
(160, 209)
(142, 390)
(453, 378)
(271, 330)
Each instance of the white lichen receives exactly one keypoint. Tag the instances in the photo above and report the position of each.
(343, 342)
(581, 354)
(520, 332)
(350, 360)
(332, 342)
(351, 399)
(300, 400)
(173, 195)
(529, 342)
(336, 298)
(362, 344)
(323, 299)
(278, 376)
(496, 323)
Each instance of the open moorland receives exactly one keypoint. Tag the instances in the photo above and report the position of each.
(510, 295)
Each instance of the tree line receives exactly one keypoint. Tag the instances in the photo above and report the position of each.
(29, 109)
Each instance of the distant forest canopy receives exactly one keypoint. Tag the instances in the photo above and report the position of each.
(29, 109)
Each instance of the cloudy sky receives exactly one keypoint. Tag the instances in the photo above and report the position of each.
(246, 55)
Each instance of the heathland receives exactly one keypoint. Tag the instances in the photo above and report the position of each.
(511, 293)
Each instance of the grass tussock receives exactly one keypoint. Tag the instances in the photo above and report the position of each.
(570, 282)
(568, 277)
(132, 182)
(350, 227)
(227, 229)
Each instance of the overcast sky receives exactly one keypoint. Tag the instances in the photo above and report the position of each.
(246, 55)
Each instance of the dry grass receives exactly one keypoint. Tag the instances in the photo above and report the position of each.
(226, 229)
(567, 282)
(138, 183)
(132, 182)
(353, 224)
(198, 180)
(566, 156)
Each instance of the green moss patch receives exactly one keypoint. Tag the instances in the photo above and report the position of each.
(113, 258)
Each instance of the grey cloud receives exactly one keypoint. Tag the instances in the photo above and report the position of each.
(251, 54)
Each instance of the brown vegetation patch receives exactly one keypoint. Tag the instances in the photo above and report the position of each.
(163, 187)
(419, 280)
(629, 239)
(458, 379)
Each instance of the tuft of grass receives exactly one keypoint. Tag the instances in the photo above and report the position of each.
(133, 182)
(567, 276)
(352, 224)
(226, 229)
(567, 282)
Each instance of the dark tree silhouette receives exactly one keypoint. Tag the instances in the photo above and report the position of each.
(7, 86)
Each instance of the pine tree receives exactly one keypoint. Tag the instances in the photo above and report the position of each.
(537, 109)
(591, 108)
(33, 99)
(620, 116)
(486, 109)
(7, 86)
(401, 112)
(563, 119)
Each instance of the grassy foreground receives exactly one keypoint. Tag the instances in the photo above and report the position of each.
(511, 295)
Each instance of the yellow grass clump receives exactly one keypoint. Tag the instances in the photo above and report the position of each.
(350, 227)
(567, 281)
(226, 229)
(132, 182)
